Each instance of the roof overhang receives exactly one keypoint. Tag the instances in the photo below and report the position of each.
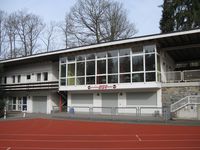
(165, 41)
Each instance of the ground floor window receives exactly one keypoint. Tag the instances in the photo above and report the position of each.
(17, 103)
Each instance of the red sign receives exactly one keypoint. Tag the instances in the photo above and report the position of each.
(102, 87)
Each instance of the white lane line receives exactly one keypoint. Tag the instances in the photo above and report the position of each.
(131, 135)
(70, 141)
(139, 139)
(8, 148)
(99, 141)
(97, 148)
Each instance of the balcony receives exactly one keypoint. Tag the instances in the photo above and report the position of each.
(30, 86)
(181, 76)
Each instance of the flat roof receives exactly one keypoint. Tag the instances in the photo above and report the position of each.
(54, 55)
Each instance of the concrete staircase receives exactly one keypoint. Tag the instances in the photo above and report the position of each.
(188, 100)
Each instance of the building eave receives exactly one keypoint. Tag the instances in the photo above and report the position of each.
(107, 44)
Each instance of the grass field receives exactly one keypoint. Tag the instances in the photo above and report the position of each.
(51, 134)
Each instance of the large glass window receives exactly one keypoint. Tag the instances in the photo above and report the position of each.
(137, 63)
(80, 58)
(150, 76)
(137, 49)
(113, 53)
(112, 65)
(149, 48)
(101, 79)
(124, 52)
(80, 81)
(71, 81)
(101, 66)
(90, 56)
(124, 64)
(71, 58)
(138, 77)
(90, 80)
(125, 78)
(71, 70)
(112, 78)
(90, 67)
(101, 55)
(24, 103)
(80, 70)
(14, 103)
(63, 70)
(115, 66)
(62, 82)
(150, 62)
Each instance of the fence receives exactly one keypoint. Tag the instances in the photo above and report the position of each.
(105, 113)
(129, 113)
(184, 76)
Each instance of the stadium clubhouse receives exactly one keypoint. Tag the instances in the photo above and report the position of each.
(143, 73)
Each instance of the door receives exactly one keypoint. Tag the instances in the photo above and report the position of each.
(40, 104)
(109, 101)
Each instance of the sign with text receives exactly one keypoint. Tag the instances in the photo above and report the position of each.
(101, 87)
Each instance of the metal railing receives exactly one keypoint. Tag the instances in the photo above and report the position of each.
(133, 112)
(188, 100)
(173, 76)
(184, 76)
(191, 75)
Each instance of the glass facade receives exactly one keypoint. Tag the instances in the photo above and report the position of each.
(129, 65)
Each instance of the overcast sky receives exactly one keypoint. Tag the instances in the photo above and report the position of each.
(145, 14)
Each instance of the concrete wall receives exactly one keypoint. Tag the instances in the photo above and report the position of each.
(188, 112)
(173, 94)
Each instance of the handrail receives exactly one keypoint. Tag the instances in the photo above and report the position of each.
(184, 102)
(181, 76)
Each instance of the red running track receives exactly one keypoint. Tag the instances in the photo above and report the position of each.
(46, 134)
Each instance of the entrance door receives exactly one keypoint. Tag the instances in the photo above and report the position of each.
(109, 100)
(40, 104)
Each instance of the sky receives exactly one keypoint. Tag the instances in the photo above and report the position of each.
(145, 14)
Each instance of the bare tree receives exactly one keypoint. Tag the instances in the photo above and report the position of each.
(2, 30)
(11, 33)
(68, 32)
(116, 25)
(28, 27)
(96, 21)
(49, 36)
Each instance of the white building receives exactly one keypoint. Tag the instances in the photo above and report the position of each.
(139, 74)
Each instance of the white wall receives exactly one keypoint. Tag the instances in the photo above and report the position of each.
(166, 64)
(122, 102)
(32, 69)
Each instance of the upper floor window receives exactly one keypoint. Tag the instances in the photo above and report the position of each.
(28, 77)
(5, 80)
(13, 79)
(38, 76)
(19, 78)
(45, 76)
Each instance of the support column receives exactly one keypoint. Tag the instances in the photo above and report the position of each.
(60, 103)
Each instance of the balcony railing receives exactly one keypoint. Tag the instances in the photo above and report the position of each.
(181, 76)
(30, 86)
